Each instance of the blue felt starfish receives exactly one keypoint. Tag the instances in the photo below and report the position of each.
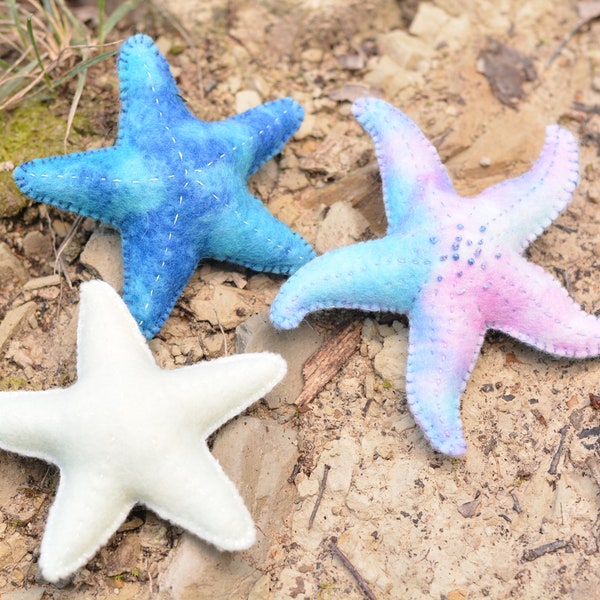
(174, 186)
(454, 265)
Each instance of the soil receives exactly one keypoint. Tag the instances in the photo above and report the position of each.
(518, 516)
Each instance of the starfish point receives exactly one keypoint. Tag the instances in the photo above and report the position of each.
(174, 186)
(454, 265)
(128, 432)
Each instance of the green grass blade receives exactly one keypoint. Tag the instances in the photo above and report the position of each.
(101, 34)
(37, 53)
(14, 15)
(115, 17)
(83, 66)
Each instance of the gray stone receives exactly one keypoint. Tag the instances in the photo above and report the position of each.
(10, 266)
(223, 305)
(37, 245)
(405, 50)
(342, 226)
(385, 74)
(390, 362)
(42, 282)
(31, 593)
(125, 558)
(258, 457)
(13, 319)
(246, 99)
(102, 256)
(257, 334)
(198, 570)
(436, 27)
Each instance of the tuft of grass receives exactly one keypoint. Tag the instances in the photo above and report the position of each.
(43, 45)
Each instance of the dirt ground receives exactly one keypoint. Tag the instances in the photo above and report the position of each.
(519, 515)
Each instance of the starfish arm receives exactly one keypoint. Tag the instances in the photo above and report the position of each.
(147, 86)
(208, 393)
(98, 183)
(530, 305)
(254, 238)
(156, 269)
(261, 132)
(537, 196)
(89, 507)
(375, 275)
(411, 170)
(443, 349)
(30, 422)
(203, 500)
(108, 340)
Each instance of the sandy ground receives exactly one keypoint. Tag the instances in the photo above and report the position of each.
(518, 517)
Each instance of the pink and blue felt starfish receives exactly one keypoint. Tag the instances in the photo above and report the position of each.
(174, 186)
(454, 265)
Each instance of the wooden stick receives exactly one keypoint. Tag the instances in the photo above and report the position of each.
(361, 582)
(313, 514)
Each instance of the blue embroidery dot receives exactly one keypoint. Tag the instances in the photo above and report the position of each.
(482, 228)
(460, 226)
(455, 256)
(439, 278)
(498, 255)
(455, 246)
(469, 242)
(459, 273)
(433, 239)
(471, 261)
(480, 242)
(442, 258)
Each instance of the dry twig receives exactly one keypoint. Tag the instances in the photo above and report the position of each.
(361, 582)
(586, 17)
(313, 514)
(554, 464)
(536, 553)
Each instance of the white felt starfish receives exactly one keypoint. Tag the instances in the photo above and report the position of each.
(128, 432)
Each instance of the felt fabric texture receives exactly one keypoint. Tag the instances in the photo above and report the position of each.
(454, 265)
(129, 432)
(174, 186)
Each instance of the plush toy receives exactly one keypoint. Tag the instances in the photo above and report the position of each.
(128, 432)
(174, 186)
(454, 265)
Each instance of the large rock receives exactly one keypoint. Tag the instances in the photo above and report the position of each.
(257, 334)
(103, 257)
(225, 305)
(342, 226)
(259, 457)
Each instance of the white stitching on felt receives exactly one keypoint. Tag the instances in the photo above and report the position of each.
(198, 181)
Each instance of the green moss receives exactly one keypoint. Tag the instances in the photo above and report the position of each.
(32, 130)
(13, 383)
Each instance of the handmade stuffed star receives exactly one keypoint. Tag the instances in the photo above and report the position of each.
(174, 186)
(128, 432)
(454, 265)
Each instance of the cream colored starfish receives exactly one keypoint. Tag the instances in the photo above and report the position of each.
(128, 432)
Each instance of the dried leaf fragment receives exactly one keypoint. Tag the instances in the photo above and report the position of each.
(506, 69)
